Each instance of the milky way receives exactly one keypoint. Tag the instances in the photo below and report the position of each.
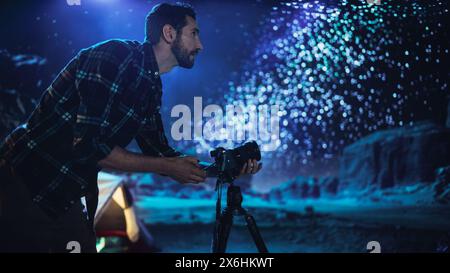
(341, 71)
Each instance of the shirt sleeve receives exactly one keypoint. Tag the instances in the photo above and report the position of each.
(153, 141)
(101, 78)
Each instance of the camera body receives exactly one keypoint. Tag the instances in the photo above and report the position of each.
(229, 162)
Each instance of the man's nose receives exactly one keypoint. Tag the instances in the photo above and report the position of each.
(199, 45)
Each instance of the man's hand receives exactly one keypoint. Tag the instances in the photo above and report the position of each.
(185, 170)
(250, 167)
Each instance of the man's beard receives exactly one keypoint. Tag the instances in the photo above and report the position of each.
(182, 55)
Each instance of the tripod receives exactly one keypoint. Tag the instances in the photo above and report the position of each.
(224, 220)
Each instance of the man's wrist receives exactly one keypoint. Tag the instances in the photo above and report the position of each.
(163, 165)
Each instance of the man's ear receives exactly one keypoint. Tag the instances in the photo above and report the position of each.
(168, 34)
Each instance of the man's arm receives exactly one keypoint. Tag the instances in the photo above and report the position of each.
(182, 169)
(123, 160)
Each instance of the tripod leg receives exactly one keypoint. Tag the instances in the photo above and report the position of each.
(254, 231)
(217, 225)
(215, 240)
(223, 231)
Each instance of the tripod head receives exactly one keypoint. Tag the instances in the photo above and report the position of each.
(234, 197)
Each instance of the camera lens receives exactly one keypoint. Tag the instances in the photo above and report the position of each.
(249, 150)
(229, 163)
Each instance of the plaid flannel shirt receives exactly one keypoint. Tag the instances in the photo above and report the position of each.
(107, 95)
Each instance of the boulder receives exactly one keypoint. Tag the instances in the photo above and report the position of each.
(303, 187)
(330, 185)
(394, 157)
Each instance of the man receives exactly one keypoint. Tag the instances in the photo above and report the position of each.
(107, 95)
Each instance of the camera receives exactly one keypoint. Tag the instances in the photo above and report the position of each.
(229, 162)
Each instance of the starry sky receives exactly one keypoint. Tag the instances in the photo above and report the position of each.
(343, 70)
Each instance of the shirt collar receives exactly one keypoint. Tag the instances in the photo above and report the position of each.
(150, 63)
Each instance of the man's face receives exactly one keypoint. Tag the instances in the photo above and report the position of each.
(187, 44)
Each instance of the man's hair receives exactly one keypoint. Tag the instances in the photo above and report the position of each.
(163, 14)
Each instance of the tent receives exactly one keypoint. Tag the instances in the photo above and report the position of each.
(116, 216)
